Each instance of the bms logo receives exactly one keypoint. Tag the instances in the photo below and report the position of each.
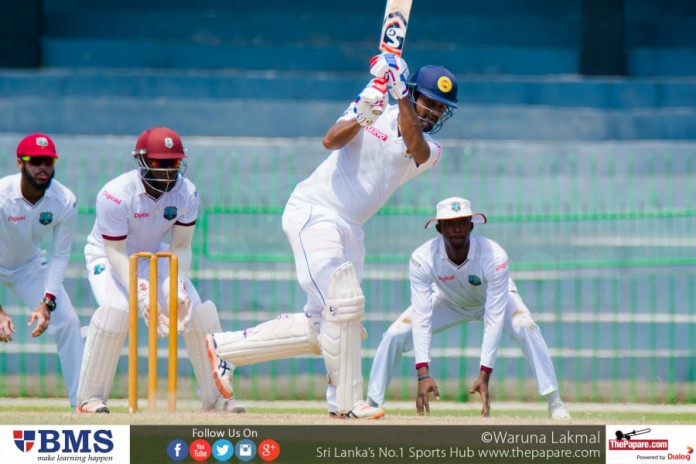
(24, 439)
(65, 441)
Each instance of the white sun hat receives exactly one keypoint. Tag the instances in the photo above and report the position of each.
(455, 207)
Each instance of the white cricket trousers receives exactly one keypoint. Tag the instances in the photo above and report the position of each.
(27, 282)
(399, 338)
(321, 241)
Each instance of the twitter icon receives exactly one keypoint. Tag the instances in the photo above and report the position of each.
(223, 450)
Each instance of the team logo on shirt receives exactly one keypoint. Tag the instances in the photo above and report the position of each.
(46, 218)
(99, 268)
(474, 280)
(170, 212)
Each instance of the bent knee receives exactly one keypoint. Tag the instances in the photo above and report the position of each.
(521, 322)
(398, 333)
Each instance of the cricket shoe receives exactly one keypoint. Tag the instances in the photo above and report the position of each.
(361, 410)
(559, 411)
(92, 406)
(225, 405)
(222, 371)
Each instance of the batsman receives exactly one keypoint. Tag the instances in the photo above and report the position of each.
(375, 148)
(136, 211)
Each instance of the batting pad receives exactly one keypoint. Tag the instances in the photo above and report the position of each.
(340, 340)
(283, 337)
(204, 320)
(105, 336)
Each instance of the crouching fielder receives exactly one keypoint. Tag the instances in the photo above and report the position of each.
(135, 212)
(455, 278)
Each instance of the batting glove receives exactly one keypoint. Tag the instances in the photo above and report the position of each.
(369, 103)
(394, 69)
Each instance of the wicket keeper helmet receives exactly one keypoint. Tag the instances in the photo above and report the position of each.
(159, 143)
(160, 155)
(436, 83)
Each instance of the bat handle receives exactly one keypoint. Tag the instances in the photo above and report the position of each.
(378, 108)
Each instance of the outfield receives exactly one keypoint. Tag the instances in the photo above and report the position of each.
(22, 411)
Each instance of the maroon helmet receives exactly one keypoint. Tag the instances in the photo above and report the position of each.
(159, 143)
(160, 155)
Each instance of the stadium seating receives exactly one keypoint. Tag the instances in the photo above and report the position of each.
(232, 69)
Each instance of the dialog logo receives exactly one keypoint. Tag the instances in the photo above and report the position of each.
(223, 450)
(177, 450)
(245, 450)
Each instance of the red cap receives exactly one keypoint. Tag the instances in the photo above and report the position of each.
(37, 145)
(159, 143)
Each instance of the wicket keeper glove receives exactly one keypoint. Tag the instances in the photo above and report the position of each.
(144, 307)
(369, 103)
(394, 69)
(184, 303)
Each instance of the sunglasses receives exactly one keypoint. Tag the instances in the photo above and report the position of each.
(39, 160)
(171, 163)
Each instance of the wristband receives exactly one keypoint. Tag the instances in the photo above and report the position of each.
(423, 377)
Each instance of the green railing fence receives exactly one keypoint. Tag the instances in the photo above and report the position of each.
(600, 237)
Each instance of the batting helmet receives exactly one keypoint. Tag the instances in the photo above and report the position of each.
(436, 82)
(159, 143)
(37, 145)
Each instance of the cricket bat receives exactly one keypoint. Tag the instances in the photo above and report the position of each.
(394, 26)
(393, 32)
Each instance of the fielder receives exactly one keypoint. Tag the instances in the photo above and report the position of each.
(376, 147)
(32, 204)
(455, 278)
(135, 212)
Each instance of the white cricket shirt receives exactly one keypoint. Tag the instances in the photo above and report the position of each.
(126, 211)
(24, 226)
(356, 180)
(481, 282)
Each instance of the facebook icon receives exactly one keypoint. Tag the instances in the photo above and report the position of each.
(177, 450)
